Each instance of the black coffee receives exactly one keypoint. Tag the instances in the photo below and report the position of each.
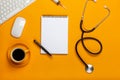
(18, 54)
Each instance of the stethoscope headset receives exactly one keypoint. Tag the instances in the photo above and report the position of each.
(88, 67)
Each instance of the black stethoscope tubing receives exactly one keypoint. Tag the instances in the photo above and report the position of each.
(89, 68)
(84, 46)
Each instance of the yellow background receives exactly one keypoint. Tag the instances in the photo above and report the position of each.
(62, 67)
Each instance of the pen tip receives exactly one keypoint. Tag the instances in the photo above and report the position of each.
(34, 40)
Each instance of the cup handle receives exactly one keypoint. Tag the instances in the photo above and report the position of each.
(26, 51)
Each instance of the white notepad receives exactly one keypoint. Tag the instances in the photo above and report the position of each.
(54, 34)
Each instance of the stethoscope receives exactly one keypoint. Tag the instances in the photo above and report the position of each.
(88, 67)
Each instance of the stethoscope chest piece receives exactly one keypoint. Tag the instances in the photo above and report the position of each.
(89, 68)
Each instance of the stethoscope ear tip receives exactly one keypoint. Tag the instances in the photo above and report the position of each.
(105, 7)
(95, 1)
(89, 68)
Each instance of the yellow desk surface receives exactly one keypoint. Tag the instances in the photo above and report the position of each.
(63, 67)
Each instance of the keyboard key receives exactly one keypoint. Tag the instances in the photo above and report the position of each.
(9, 8)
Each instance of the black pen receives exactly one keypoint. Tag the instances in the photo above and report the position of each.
(38, 44)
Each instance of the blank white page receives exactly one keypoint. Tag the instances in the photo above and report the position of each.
(54, 34)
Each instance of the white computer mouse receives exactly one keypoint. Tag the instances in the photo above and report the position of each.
(18, 27)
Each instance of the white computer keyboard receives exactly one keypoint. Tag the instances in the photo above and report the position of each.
(9, 8)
